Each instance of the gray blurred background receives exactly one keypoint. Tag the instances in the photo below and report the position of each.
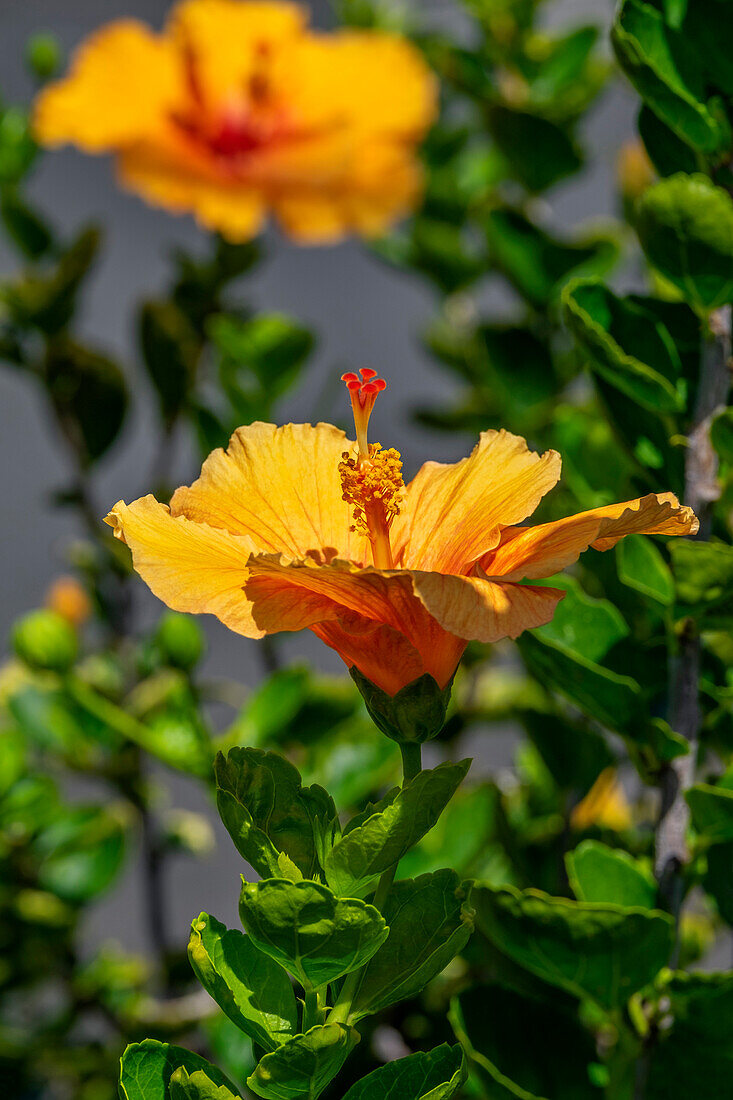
(363, 313)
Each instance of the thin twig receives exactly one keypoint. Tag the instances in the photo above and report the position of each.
(701, 491)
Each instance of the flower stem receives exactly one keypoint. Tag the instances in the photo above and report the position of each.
(311, 1013)
(411, 765)
(701, 490)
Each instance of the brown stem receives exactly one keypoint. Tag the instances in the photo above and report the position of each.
(701, 491)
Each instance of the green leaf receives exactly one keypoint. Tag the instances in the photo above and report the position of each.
(248, 986)
(703, 573)
(598, 873)
(701, 27)
(694, 1057)
(718, 879)
(171, 351)
(315, 935)
(599, 951)
(629, 348)
(666, 72)
(535, 263)
(197, 1086)
(301, 1068)
(428, 1075)
(574, 754)
(721, 435)
(539, 152)
(495, 1024)
(604, 695)
(642, 567)
(267, 811)
(380, 841)
(429, 923)
(711, 809)
(270, 345)
(24, 225)
(83, 852)
(89, 394)
(667, 152)
(582, 624)
(146, 1069)
(685, 225)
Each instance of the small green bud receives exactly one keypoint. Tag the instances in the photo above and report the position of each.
(180, 640)
(45, 640)
(43, 55)
(415, 714)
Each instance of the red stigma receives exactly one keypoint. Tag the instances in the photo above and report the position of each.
(365, 388)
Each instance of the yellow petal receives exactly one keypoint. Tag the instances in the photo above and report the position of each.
(281, 488)
(385, 86)
(187, 565)
(223, 40)
(123, 81)
(541, 551)
(174, 179)
(453, 514)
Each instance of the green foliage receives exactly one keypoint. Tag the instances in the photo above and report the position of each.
(685, 226)
(492, 1023)
(431, 1075)
(304, 1065)
(44, 640)
(429, 922)
(246, 984)
(315, 935)
(600, 951)
(269, 814)
(609, 876)
(146, 1070)
(381, 835)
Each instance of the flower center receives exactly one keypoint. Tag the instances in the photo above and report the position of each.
(251, 120)
(372, 482)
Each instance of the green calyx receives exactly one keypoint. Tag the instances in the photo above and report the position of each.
(415, 714)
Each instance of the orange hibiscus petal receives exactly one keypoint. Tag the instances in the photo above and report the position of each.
(177, 181)
(281, 488)
(123, 81)
(382, 654)
(453, 514)
(534, 552)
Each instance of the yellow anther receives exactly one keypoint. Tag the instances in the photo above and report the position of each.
(373, 486)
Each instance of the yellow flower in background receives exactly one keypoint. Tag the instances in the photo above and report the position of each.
(604, 805)
(237, 110)
(298, 527)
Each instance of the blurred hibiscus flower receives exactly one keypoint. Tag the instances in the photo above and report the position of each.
(297, 527)
(237, 109)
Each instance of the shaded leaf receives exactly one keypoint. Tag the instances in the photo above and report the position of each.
(599, 951)
(429, 923)
(703, 573)
(315, 935)
(721, 435)
(642, 567)
(171, 350)
(667, 152)
(494, 1023)
(89, 394)
(534, 262)
(583, 624)
(428, 1075)
(630, 349)
(685, 225)
(711, 809)
(694, 1057)
(383, 837)
(666, 72)
(538, 151)
(248, 986)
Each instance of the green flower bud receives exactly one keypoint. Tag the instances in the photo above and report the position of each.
(415, 714)
(43, 55)
(180, 640)
(45, 640)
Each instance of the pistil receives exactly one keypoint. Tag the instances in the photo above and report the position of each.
(372, 482)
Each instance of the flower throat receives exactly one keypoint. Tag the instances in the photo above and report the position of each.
(372, 482)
